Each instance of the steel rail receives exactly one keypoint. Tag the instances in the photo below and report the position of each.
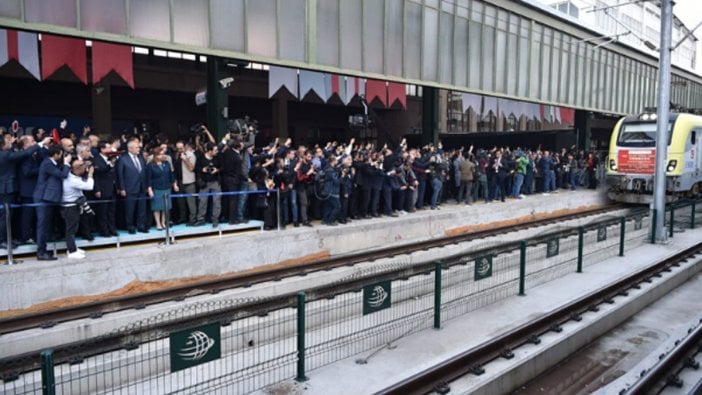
(668, 366)
(96, 309)
(473, 360)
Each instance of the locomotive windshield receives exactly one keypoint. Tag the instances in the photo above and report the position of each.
(640, 134)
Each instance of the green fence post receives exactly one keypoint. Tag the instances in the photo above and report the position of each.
(622, 229)
(672, 219)
(301, 338)
(437, 295)
(692, 215)
(522, 266)
(48, 382)
(581, 237)
(653, 226)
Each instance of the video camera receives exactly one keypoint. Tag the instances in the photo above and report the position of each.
(198, 129)
(242, 127)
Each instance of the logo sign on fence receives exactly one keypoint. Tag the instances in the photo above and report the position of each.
(552, 246)
(376, 297)
(483, 267)
(601, 233)
(638, 223)
(194, 346)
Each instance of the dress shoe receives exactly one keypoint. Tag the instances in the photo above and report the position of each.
(215, 224)
(113, 233)
(308, 224)
(88, 237)
(297, 225)
(143, 230)
(46, 257)
(105, 234)
(235, 222)
(132, 231)
(199, 223)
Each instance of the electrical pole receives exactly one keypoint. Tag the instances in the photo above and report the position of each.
(663, 109)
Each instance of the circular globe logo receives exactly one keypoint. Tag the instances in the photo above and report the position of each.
(196, 346)
(377, 297)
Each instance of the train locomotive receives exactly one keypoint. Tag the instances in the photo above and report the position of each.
(632, 158)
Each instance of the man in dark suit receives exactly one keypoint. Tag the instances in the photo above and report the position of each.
(232, 178)
(52, 171)
(104, 191)
(131, 181)
(29, 171)
(8, 179)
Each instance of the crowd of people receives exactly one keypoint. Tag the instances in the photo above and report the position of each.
(97, 186)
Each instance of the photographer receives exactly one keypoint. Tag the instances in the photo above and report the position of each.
(104, 191)
(208, 169)
(331, 205)
(74, 208)
(9, 158)
(84, 154)
(52, 171)
(232, 178)
(202, 136)
(304, 176)
(184, 163)
(346, 174)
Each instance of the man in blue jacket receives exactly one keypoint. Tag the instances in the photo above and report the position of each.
(52, 171)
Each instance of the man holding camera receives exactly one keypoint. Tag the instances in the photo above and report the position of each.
(104, 190)
(232, 178)
(9, 159)
(184, 162)
(74, 203)
(208, 169)
(49, 190)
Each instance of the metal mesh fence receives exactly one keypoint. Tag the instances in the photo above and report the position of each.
(550, 260)
(13, 381)
(338, 328)
(466, 286)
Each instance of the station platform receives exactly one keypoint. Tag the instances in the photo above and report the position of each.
(124, 238)
(412, 354)
(110, 272)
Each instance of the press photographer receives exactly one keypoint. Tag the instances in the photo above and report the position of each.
(74, 206)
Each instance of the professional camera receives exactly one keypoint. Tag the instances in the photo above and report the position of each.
(242, 126)
(359, 122)
(198, 129)
(84, 206)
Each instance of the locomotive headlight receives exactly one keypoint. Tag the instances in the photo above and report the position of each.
(612, 165)
(645, 117)
(672, 165)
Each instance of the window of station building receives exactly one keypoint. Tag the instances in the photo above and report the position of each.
(568, 8)
(141, 50)
(413, 90)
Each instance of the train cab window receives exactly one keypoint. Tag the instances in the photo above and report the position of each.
(640, 134)
(693, 137)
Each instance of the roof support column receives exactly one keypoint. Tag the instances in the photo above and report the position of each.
(430, 115)
(217, 98)
(101, 99)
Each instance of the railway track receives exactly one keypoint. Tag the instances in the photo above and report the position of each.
(50, 318)
(667, 371)
(437, 379)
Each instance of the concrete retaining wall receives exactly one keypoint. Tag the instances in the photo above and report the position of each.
(127, 269)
